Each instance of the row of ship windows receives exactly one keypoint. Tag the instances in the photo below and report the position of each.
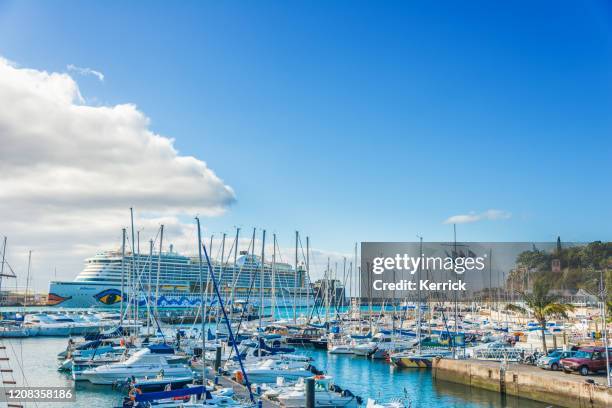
(244, 282)
(196, 276)
(165, 265)
(183, 272)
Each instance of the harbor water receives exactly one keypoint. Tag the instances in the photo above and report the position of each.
(366, 378)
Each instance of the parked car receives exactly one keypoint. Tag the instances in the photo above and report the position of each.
(552, 361)
(586, 360)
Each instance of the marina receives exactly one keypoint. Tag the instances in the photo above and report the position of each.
(420, 379)
(334, 350)
(377, 379)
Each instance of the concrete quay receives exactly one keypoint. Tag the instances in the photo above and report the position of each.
(552, 387)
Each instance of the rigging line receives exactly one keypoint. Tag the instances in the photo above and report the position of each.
(229, 326)
(19, 364)
(278, 278)
(251, 242)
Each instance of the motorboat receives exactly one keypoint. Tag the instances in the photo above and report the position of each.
(145, 362)
(304, 336)
(161, 382)
(385, 349)
(182, 398)
(59, 325)
(78, 367)
(341, 348)
(267, 371)
(16, 330)
(326, 394)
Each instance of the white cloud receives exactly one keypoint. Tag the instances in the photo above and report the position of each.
(86, 71)
(475, 217)
(70, 172)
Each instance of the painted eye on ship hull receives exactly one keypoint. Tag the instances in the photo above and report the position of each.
(109, 296)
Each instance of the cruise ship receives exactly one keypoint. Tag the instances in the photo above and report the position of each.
(173, 281)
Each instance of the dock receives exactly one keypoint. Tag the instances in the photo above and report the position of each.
(242, 393)
(552, 387)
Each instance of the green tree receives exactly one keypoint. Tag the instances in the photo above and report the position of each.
(542, 305)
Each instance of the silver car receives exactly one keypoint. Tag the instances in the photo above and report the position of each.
(553, 360)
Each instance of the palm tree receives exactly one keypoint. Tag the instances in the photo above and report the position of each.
(542, 305)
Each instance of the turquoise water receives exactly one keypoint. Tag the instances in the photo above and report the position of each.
(364, 377)
(379, 379)
(38, 357)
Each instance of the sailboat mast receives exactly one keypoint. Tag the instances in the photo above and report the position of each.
(133, 268)
(419, 294)
(456, 303)
(261, 277)
(25, 296)
(356, 276)
(307, 271)
(201, 270)
(234, 273)
(161, 241)
(253, 265)
(149, 288)
(137, 277)
(273, 283)
(3, 260)
(326, 281)
(295, 279)
(122, 276)
(220, 274)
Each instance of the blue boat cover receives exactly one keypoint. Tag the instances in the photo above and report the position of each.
(160, 348)
(182, 392)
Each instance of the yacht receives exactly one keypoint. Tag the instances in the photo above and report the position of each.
(326, 393)
(268, 370)
(340, 348)
(44, 324)
(13, 329)
(142, 363)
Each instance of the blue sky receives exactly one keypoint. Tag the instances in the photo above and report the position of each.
(355, 121)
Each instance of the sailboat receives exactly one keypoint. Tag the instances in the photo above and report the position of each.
(10, 329)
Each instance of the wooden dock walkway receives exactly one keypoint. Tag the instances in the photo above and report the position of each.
(243, 394)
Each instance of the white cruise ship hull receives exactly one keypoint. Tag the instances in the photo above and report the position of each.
(174, 281)
(85, 295)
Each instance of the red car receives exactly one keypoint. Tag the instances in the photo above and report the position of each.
(587, 360)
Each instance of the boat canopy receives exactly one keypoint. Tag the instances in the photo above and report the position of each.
(182, 392)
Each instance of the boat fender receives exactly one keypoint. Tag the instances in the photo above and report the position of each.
(133, 393)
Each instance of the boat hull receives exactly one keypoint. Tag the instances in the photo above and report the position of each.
(413, 362)
(102, 377)
(322, 399)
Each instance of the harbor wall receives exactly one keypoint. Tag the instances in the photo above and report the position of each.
(555, 388)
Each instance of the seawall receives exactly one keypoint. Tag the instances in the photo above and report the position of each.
(553, 387)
